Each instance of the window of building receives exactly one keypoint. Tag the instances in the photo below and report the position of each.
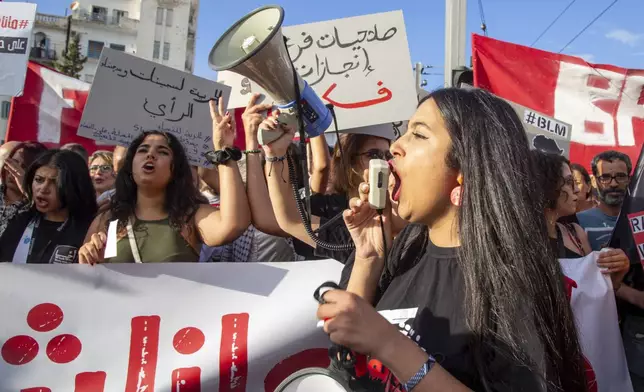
(94, 49)
(117, 15)
(6, 108)
(89, 78)
(159, 16)
(156, 50)
(118, 47)
(168, 17)
(166, 51)
(99, 14)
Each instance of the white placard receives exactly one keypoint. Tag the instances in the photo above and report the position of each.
(361, 65)
(130, 95)
(213, 324)
(16, 23)
(593, 304)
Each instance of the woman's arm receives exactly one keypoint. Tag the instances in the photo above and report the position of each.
(279, 184)
(224, 225)
(262, 214)
(319, 150)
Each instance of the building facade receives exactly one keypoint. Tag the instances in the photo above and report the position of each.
(163, 31)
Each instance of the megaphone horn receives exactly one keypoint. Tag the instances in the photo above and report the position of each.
(254, 47)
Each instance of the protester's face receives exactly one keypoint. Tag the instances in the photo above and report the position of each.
(152, 163)
(424, 181)
(612, 182)
(568, 196)
(372, 148)
(45, 190)
(584, 187)
(102, 175)
(18, 158)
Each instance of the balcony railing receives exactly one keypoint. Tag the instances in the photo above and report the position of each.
(51, 20)
(37, 53)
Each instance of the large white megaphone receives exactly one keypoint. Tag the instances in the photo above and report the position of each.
(254, 47)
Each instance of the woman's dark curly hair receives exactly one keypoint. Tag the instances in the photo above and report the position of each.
(550, 179)
(182, 197)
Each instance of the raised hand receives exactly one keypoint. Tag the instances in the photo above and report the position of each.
(223, 125)
(252, 118)
(15, 170)
(279, 147)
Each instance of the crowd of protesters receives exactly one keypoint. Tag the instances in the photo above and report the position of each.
(473, 230)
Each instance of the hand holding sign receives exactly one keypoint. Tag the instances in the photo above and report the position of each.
(614, 262)
(92, 251)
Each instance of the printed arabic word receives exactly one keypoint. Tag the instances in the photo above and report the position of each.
(321, 65)
(15, 45)
(7, 22)
(144, 354)
(160, 110)
(385, 92)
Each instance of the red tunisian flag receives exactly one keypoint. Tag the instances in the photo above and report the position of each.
(603, 103)
(50, 110)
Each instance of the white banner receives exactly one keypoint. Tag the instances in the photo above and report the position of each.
(361, 65)
(160, 327)
(16, 23)
(593, 302)
(130, 95)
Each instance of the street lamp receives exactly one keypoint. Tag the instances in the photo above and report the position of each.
(73, 6)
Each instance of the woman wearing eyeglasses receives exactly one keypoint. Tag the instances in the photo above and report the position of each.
(101, 170)
(348, 164)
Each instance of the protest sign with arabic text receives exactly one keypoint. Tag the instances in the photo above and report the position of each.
(16, 23)
(361, 65)
(131, 95)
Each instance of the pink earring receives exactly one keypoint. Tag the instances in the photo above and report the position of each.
(455, 196)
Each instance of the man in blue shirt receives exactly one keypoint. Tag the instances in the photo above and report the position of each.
(611, 170)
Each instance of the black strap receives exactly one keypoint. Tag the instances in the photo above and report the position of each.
(339, 354)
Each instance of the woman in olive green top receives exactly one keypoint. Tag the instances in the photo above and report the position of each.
(160, 214)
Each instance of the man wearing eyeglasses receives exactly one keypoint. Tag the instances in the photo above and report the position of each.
(611, 171)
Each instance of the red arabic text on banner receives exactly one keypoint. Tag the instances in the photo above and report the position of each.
(603, 103)
(50, 110)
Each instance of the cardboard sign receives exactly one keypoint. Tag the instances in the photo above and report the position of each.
(131, 95)
(16, 23)
(361, 65)
(160, 327)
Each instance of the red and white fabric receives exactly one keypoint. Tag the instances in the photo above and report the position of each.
(603, 103)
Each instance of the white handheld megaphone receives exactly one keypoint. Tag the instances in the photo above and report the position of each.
(254, 47)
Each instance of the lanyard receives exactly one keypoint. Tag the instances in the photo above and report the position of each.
(133, 246)
(26, 244)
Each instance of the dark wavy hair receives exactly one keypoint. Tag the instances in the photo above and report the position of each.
(584, 173)
(511, 275)
(75, 190)
(342, 178)
(550, 179)
(182, 198)
(30, 151)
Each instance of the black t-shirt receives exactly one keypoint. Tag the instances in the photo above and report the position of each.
(432, 282)
(327, 207)
(50, 245)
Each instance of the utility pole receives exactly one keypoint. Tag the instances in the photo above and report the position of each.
(419, 69)
(455, 18)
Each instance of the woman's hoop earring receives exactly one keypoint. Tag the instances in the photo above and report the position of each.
(455, 196)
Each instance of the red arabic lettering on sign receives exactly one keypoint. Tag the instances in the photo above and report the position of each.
(8, 22)
(636, 222)
(19, 350)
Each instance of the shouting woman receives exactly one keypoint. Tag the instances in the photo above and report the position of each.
(158, 211)
(479, 294)
(59, 191)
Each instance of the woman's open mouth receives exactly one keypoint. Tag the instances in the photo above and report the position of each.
(148, 167)
(395, 193)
